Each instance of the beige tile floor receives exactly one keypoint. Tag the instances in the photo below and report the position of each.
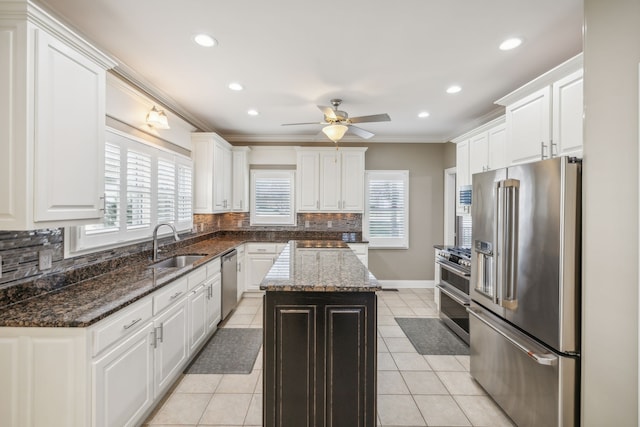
(413, 390)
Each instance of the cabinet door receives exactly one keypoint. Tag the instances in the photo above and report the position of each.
(171, 345)
(307, 184)
(497, 147)
(478, 153)
(69, 132)
(203, 175)
(352, 181)
(240, 182)
(214, 303)
(241, 274)
(218, 178)
(227, 161)
(258, 267)
(529, 127)
(330, 198)
(198, 300)
(568, 116)
(123, 381)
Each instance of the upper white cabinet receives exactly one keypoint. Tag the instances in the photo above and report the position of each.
(544, 117)
(213, 170)
(330, 180)
(52, 121)
(463, 176)
(240, 180)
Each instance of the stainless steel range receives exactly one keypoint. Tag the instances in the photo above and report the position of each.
(454, 265)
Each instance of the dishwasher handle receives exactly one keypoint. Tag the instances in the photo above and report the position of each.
(229, 256)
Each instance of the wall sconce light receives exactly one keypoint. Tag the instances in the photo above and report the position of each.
(157, 119)
(335, 132)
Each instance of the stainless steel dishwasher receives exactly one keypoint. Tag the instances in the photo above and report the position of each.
(229, 282)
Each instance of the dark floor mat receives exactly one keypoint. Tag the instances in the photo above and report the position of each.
(229, 351)
(431, 336)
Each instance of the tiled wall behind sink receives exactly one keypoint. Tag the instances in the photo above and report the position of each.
(340, 222)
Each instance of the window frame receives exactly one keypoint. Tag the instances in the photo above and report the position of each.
(401, 242)
(78, 241)
(264, 220)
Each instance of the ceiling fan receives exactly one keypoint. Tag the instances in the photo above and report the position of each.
(338, 122)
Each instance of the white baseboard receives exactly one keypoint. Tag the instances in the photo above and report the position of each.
(406, 284)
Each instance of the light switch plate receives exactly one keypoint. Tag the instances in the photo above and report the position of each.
(45, 258)
(306, 224)
(329, 224)
(239, 223)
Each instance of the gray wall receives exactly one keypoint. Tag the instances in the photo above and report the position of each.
(449, 155)
(425, 163)
(610, 216)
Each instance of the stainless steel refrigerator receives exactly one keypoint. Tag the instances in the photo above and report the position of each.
(525, 290)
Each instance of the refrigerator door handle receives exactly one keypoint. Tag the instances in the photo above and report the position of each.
(547, 359)
(499, 239)
(509, 243)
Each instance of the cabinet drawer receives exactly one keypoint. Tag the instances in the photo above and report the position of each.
(359, 248)
(197, 277)
(213, 267)
(120, 324)
(167, 296)
(261, 248)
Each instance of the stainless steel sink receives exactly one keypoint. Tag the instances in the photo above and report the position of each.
(177, 261)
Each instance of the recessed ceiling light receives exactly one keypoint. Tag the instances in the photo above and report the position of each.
(205, 40)
(454, 89)
(235, 86)
(423, 114)
(253, 112)
(510, 43)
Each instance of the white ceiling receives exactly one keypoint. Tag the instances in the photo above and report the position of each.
(379, 56)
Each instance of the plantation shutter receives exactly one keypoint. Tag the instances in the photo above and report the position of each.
(112, 180)
(185, 191)
(387, 208)
(138, 190)
(166, 191)
(272, 197)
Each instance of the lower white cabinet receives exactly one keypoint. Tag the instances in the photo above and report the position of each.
(259, 257)
(112, 373)
(124, 377)
(242, 277)
(362, 252)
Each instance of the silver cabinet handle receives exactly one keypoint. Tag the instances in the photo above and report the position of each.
(174, 296)
(553, 144)
(261, 250)
(154, 342)
(161, 335)
(542, 148)
(547, 359)
(104, 203)
(133, 322)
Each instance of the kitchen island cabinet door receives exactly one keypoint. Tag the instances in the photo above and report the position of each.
(320, 359)
(124, 381)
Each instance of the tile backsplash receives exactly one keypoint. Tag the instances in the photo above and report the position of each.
(20, 249)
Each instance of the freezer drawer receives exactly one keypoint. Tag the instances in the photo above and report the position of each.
(534, 386)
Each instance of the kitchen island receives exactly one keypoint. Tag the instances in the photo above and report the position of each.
(319, 338)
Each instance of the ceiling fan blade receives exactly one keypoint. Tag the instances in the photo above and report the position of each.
(360, 132)
(307, 123)
(327, 111)
(373, 118)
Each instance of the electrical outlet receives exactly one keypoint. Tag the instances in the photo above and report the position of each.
(45, 258)
(306, 224)
(201, 226)
(194, 228)
(239, 223)
(329, 224)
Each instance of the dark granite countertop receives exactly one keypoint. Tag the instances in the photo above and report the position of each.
(312, 266)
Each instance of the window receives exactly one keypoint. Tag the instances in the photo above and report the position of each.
(386, 216)
(272, 197)
(144, 186)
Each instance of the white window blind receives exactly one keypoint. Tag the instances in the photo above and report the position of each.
(144, 185)
(386, 221)
(166, 191)
(185, 191)
(138, 190)
(272, 197)
(112, 181)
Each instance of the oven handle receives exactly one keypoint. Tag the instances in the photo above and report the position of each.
(453, 269)
(451, 295)
(542, 359)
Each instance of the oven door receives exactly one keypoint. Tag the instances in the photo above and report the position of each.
(453, 276)
(453, 311)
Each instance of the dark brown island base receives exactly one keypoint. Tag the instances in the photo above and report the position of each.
(319, 338)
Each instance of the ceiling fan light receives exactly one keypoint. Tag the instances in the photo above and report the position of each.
(335, 132)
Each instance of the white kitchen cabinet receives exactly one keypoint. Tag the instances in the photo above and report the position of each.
(171, 345)
(497, 147)
(308, 181)
(544, 118)
(213, 172)
(240, 180)
(487, 147)
(259, 259)
(124, 378)
(567, 94)
(198, 300)
(478, 153)
(52, 95)
(529, 127)
(330, 180)
(214, 303)
(241, 260)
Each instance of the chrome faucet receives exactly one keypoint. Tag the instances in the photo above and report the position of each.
(155, 238)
